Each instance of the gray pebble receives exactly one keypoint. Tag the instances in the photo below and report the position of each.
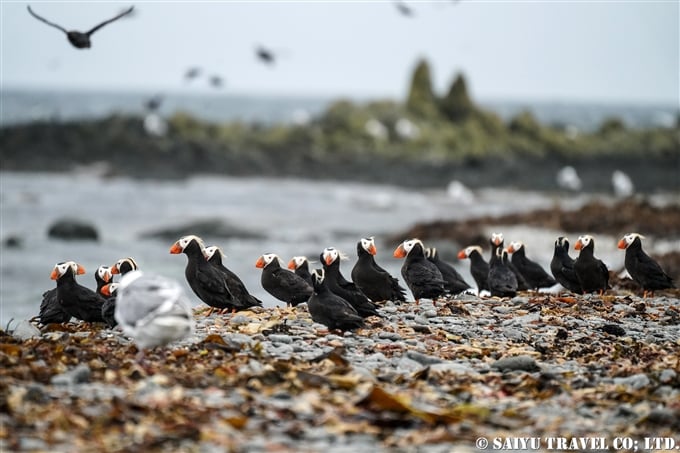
(636, 381)
(518, 362)
(280, 339)
(77, 375)
(423, 359)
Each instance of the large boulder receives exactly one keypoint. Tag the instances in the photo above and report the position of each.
(73, 230)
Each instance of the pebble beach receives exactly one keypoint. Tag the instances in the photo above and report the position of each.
(424, 377)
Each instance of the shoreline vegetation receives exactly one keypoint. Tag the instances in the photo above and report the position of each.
(427, 140)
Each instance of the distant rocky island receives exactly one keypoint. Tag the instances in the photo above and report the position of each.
(427, 140)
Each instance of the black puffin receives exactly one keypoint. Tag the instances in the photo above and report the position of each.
(242, 298)
(207, 282)
(421, 275)
(300, 265)
(282, 283)
(329, 309)
(75, 299)
(80, 40)
(454, 282)
(591, 272)
(535, 276)
(109, 291)
(562, 266)
(50, 309)
(479, 269)
(643, 270)
(373, 280)
(502, 281)
(496, 240)
(337, 283)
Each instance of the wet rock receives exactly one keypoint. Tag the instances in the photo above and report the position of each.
(210, 228)
(73, 230)
(667, 376)
(516, 363)
(389, 336)
(614, 329)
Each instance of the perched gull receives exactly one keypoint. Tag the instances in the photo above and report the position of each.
(152, 309)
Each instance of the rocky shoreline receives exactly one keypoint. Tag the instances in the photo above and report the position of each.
(436, 377)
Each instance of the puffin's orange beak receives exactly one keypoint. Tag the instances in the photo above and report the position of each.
(328, 260)
(462, 255)
(578, 245)
(259, 263)
(115, 270)
(496, 241)
(107, 276)
(372, 250)
(400, 252)
(291, 265)
(509, 249)
(81, 269)
(176, 248)
(622, 244)
(106, 290)
(54, 275)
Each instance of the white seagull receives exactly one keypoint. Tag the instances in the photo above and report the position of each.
(152, 309)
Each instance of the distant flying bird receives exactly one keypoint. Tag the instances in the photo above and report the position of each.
(79, 39)
(216, 81)
(192, 73)
(265, 55)
(404, 9)
(154, 102)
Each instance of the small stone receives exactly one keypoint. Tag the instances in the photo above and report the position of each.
(423, 359)
(614, 329)
(635, 381)
(389, 336)
(77, 375)
(280, 339)
(667, 376)
(515, 363)
(25, 330)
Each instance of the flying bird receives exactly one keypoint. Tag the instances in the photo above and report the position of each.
(265, 55)
(79, 39)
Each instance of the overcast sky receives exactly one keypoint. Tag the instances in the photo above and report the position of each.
(612, 51)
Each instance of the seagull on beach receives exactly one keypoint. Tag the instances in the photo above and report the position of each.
(152, 309)
(80, 40)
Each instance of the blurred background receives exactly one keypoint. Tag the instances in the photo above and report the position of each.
(288, 127)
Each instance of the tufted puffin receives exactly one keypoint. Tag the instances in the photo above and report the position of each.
(591, 272)
(80, 40)
(75, 299)
(282, 283)
(207, 282)
(242, 298)
(373, 280)
(124, 265)
(502, 281)
(421, 275)
(479, 269)
(454, 281)
(109, 291)
(497, 241)
(102, 276)
(300, 265)
(337, 283)
(535, 276)
(152, 309)
(643, 270)
(329, 309)
(562, 266)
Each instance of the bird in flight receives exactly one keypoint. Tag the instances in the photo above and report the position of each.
(79, 39)
(265, 55)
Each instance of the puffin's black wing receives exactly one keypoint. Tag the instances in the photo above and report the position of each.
(213, 281)
(41, 19)
(97, 27)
